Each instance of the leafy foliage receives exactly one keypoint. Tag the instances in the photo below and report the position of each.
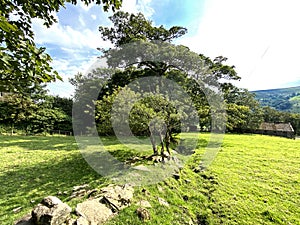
(22, 64)
(243, 110)
(274, 116)
(130, 27)
(15, 109)
(36, 115)
(143, 50)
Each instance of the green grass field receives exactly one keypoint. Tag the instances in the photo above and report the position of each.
(253, 180)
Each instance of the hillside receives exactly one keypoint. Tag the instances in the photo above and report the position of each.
(283, 99)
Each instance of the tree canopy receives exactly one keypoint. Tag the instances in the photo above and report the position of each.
(22, 63)
(143, 51)
(30, 114)
(132, 27)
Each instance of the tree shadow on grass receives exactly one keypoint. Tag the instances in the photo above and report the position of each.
(39, 142)
(125, 155)
(55, 143)
(25, 186)
(25, 181)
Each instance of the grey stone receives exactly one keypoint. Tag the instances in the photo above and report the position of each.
(176, 176)
(174, 152)
(51, 201)
(191, 222)
(18, 209)
(93, 211)
(160, 189)
(71, 222)
(187, 181)
(142, 168)
(51, 211)
(157, 159)
(92, 193)
(143, 214)
(80, 187)
(163, 202)
(144, 204)
(26, 220)
(145, 192)
(112, 199)
(82, 221)
(166, 155)
(117, 196)
(79, 193)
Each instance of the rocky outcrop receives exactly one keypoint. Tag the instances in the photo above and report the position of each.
(117, 197)
(51, 211)
(94, 211)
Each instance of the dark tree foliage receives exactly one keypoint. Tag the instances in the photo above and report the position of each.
(31, 115)
(244, 114)
(272, 115)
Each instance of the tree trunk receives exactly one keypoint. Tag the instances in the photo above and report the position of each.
(12, 129)
(152, 139)
(162, 145)
(167, 141)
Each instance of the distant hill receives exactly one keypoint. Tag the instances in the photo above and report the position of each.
(283, 99)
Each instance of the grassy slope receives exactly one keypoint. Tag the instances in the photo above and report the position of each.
(34, 167)
(254, 180)
(259, 180)
(278, 98)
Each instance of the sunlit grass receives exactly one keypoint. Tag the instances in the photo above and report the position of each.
(253, 180)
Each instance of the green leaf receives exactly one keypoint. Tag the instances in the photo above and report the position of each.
(6, 26)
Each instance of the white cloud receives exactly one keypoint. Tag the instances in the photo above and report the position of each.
(259, 37)
(135, 6)
(84, 6)
(72, 48)
(67, 69)
(62, 89)
(67, 36)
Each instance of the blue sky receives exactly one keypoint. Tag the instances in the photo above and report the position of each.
(260, 38)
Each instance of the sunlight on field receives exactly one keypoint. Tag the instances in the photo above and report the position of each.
(253, 179)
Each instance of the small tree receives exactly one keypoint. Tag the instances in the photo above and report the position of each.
(16, 110)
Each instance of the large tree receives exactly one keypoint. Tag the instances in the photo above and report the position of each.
(144, 50)
(22, 64)
(132, 27)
